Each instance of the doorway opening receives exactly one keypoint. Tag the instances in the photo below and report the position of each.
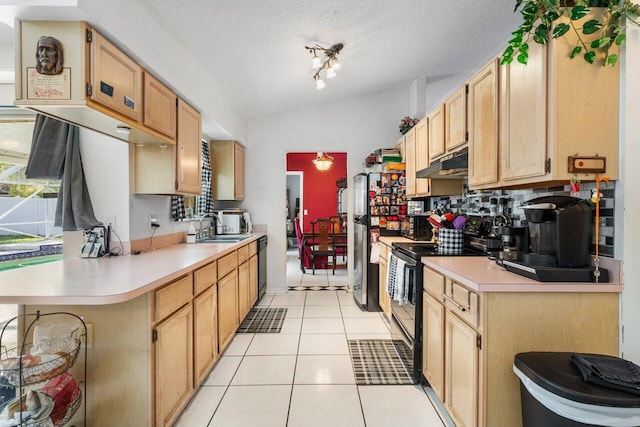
(312, 196)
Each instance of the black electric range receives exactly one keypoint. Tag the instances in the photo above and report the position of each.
(418, 249)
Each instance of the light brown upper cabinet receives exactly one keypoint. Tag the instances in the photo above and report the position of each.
(171, 169)
(455, 117)
(422, 154)
(189, 159)
(116, 80)
(482, 111)
(160, 106)
(227, 163)
(553, 108)
(436, 132)
(410, 162)
(100, 86)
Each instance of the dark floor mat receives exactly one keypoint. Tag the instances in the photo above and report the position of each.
(263, 320)
(317, 288)
(377, 362)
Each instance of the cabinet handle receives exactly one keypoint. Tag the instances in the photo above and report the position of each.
(452, 301)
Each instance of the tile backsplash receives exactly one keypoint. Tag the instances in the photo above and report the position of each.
(508, 202)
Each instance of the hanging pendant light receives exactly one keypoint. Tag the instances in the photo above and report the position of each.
(323, 161)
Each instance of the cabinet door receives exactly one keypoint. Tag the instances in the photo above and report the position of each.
(410, 162)
(205, 314)
(227, 309)
(188, 159)
(455, 117)
(433, 344)
(159, 107)
(483, 126)
(422, 155)
(523, 116)
(436, 133)
(173, 366)
(238, 166)
(116, 79)
(243, 291)
(253, 280)
(462, 371)
(383, 296)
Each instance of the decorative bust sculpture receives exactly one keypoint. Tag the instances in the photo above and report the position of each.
(49, 58)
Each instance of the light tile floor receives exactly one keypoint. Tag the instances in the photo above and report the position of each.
(302, 377)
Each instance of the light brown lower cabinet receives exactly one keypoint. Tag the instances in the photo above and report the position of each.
(243, 291)
(173, 367)
(433, 343)
(227, 309)
(383, 297)
(205, 334)
(253, 280)
(461, 372)
(470, 340)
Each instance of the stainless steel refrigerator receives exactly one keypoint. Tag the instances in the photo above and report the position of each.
(379, 209)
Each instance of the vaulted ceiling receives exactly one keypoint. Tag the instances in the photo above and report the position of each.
(254, 49)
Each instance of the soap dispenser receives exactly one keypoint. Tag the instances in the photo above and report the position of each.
(191, 234)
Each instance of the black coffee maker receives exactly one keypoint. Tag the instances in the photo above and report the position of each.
(560, 230)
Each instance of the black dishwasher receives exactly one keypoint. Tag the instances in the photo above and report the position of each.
(262, 266)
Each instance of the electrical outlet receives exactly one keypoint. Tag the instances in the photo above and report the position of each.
(153, 221)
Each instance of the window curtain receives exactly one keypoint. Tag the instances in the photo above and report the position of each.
(55, 154)
(204, 202)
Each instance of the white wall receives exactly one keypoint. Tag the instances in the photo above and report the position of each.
(105, 163)
(628, 232)
(356, 126)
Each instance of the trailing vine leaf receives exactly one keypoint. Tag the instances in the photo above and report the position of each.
(506, 60)
(560, 30)
(579, 12)
(591, 26)
(590, 56)
(523, 57)
(575, 52)
(601, 42)
(605, 30)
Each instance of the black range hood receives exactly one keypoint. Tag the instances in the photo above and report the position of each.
(453, 166)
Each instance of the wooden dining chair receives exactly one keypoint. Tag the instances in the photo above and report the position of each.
(339, 242)
(323, 244)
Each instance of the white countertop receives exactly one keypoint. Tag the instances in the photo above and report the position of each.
(484, 275)
(91, 281)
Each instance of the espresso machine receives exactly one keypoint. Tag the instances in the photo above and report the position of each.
(559, 241)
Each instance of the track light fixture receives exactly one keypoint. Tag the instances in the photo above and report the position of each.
(328, 62)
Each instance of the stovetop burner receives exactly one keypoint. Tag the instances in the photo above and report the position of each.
(417, 250)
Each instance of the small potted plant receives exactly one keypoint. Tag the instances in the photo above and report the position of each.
(407, 123)
(602, 30)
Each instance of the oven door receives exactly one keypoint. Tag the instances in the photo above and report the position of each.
(407, 317)
(405, 314)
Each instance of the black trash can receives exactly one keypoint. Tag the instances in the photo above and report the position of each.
(554, 394)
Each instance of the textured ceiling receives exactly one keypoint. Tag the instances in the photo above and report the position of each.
(255, 48)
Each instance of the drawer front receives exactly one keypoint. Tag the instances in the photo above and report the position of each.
(243, 254)
(204, 277)
(433, 283)
(463, 301)
(253, 248)
(173, 296)
(227, 264)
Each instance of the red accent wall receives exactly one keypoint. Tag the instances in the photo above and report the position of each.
(319, 192)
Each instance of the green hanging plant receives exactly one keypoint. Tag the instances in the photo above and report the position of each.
(539, 24)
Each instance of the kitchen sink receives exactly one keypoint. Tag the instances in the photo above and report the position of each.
(223, 239)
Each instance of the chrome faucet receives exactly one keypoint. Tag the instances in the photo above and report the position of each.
(201, 233)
